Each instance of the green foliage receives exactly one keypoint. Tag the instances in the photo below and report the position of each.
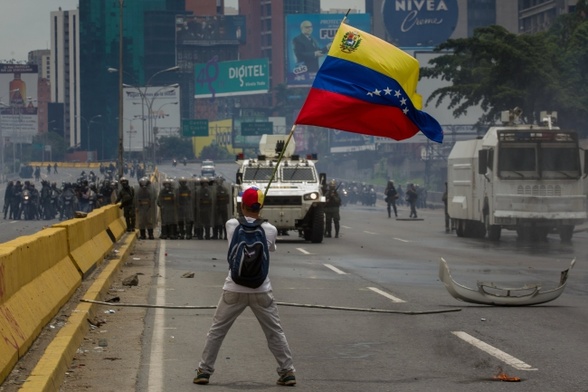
(497, 70)
(35, 151)
(216, 153)
(175, 147)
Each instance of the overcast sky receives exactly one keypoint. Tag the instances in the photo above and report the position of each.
(24, 24)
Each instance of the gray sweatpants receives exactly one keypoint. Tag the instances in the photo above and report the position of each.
(230, 306)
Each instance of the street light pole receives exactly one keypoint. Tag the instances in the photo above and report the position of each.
(88, 125)
(157, 116)
(150, 114)
(2, 105)
(150, 102)
(143, 94)
(120, 92)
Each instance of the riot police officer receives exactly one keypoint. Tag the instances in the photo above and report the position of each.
(204, 209)
(185, 209)
(106, 190)
(167, 210)
(126, 197)
(221, 209)
(146, 211)
(333, 202)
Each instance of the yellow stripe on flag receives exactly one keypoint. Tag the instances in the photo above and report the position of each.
(381, 56)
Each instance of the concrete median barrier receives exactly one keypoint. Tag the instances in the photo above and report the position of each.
(39, 274)
(115, 221)
(37, 277)
(88, 239)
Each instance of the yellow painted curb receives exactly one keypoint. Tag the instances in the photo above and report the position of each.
(49, 373)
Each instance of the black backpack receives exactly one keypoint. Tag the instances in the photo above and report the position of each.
(248, 254)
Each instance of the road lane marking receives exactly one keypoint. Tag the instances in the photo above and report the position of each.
(303, 251)
(337, 270)
(400, 239)
(157, 339)
(501, 355)
(346, 227)
(387, 295)
(369, 232)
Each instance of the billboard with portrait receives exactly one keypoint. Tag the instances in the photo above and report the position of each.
(18, 94)
(210, 30)
(308, 39)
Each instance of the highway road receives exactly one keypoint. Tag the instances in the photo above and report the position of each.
(378, 263)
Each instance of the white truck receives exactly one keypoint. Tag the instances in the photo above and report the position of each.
(527, 178)
(295, 199)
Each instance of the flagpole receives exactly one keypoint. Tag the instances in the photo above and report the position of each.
(345, 17)
(279, 160)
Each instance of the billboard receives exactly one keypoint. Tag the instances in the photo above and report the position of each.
(210, 30)
(308, 39)
(251, 124)
(342, 141)
(230, 78)
(148, 113)
(219, 133)
(18, 94)
(412, 23)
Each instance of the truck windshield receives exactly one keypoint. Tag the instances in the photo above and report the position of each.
(559, 161)
(517, 161)
(298, 173)
(257, 173)
(537, 160)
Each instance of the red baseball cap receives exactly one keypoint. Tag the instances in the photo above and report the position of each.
(252, 198)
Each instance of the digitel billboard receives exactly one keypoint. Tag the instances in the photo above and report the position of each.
(231, 78)
(308, 39)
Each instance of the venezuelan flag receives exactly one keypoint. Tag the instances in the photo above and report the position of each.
(368, 86)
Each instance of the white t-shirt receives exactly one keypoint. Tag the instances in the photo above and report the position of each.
(271, 233)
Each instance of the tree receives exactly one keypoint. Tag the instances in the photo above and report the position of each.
(174, 147)
(570, 35)
(498, 70)
(216, 152)
(56, 143)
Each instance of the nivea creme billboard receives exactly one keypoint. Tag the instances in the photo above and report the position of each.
(411, 23)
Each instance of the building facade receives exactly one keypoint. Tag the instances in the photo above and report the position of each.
(143, 52)
(539, 15)
(42, 58)
(65, 72)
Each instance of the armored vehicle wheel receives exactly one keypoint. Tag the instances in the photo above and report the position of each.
(566, 233)
(494, 232)
(460, 227)
(318, 225)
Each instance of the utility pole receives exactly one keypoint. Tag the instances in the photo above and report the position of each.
(120, 92)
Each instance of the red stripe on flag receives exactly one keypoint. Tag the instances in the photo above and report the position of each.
(331, 110)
